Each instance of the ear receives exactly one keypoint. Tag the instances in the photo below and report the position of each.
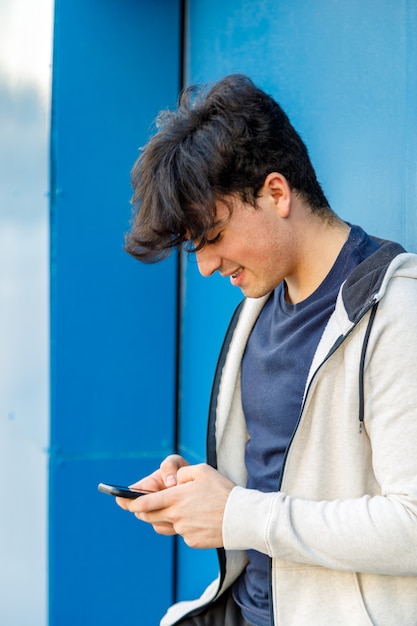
(277, 187)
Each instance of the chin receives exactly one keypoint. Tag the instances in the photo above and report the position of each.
(255, 293)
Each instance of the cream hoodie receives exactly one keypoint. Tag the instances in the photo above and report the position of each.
(342, 530)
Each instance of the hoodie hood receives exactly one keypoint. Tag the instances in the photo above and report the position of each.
(365, 285)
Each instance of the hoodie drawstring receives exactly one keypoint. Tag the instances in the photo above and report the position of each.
(362, 368)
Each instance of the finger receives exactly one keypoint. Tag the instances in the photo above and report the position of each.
(158, 518)
(153, 482)
(164, 529)
(189, 473)
(123, 503)
(169, 469)
(149, 503)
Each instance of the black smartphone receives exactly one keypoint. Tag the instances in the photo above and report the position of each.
(123, 492)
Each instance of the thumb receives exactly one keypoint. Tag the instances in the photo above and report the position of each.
(170, 480)
(169, 469)
(190, 473)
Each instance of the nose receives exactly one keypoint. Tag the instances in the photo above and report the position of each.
(208, 261)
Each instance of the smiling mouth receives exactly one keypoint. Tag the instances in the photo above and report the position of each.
(237, 273)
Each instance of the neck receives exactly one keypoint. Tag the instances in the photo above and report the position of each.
(319, 243)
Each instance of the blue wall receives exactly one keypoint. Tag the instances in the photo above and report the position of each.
(346, 74)
(113, 321)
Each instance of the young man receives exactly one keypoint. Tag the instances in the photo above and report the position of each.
(310, 491)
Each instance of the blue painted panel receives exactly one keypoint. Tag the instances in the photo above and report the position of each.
(113, 326)
(106, 567)
(345, 73)
(113, 319)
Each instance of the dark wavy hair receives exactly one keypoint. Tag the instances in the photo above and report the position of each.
(220, 142)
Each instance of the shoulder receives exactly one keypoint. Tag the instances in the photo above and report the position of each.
(399, 287)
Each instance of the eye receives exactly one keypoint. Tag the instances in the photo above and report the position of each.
(215, 239)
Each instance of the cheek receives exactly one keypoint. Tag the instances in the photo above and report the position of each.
(265, 247)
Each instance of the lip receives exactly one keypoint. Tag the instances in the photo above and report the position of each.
(234, 272)
(236, 277)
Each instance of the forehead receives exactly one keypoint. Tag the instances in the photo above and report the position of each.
(230, 207)
(209, 222)
(225, 207)
(223, 214)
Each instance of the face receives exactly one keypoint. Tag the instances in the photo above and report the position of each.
(252, 246)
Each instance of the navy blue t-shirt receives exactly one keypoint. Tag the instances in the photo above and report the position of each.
(275, 367)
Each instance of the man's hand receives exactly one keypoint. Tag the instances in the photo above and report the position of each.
(162, 478)
(192, 507)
